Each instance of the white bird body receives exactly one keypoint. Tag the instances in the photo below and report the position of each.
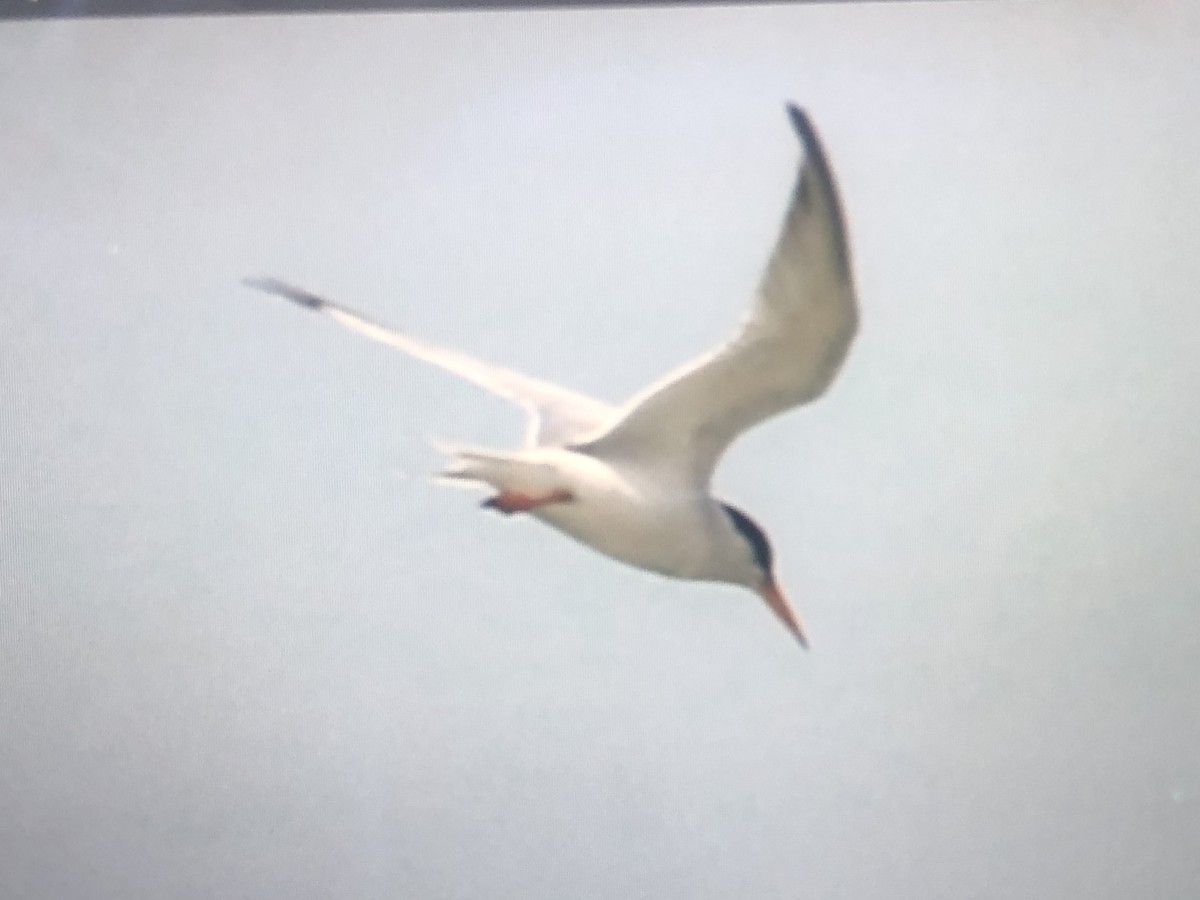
(620, 512)
(632, 482)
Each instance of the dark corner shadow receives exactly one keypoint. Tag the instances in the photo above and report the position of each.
(78, 9)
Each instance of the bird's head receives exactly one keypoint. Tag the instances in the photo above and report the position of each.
(756, 569)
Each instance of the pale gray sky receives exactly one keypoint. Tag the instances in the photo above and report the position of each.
(250, 652)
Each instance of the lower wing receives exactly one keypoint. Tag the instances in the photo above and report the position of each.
(556, 415)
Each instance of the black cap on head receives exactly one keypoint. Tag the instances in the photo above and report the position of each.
(754, 536)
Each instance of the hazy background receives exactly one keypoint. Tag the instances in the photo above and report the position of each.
(249, 651)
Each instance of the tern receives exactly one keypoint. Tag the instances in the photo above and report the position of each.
(633, 481)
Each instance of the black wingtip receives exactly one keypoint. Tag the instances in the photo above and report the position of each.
(816, 162)
(282, 289)
(802, 125)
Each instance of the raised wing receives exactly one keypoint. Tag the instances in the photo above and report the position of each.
(786, 353)
(556, 415)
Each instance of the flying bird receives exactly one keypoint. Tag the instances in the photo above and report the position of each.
(633, 481)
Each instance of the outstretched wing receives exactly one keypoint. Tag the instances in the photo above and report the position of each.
(556, 415)
(786, 353)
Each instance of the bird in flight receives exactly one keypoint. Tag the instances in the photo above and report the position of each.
(633, 481)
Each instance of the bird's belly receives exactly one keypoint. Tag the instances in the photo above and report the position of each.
(664, 539)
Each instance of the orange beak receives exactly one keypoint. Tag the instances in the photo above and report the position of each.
(780, 606)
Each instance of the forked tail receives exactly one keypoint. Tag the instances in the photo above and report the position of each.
(510, 472)
(469, 466)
